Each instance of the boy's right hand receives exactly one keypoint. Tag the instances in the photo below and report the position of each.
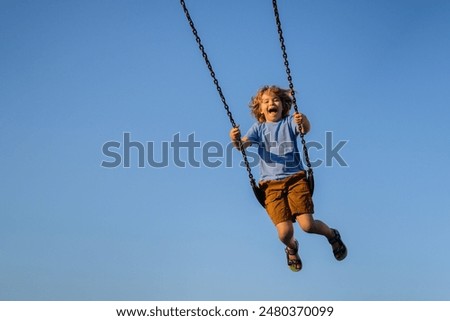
(238, 141)
(235, 134)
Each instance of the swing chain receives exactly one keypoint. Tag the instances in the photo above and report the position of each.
(291, 84)
(208, 63)
(285, 56)
(219, 90)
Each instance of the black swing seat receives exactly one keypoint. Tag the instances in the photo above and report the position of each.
(260, 195)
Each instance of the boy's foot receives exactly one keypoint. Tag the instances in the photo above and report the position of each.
(293, 259)
(339, 248)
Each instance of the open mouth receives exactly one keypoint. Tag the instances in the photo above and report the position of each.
(273, 110)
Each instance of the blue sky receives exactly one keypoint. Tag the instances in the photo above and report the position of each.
(78, 74)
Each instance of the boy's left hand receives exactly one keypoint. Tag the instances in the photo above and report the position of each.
(303, 122)
(298, 118)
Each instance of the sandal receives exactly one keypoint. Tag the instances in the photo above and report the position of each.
(294, 265)
(339, 252)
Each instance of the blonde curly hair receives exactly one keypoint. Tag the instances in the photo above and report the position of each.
(283, 94)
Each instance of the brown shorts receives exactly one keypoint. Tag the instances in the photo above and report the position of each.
(286, 198)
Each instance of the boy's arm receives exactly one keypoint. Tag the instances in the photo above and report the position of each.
(301, 119)
(235, 135)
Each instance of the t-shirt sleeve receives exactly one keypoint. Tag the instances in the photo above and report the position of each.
(253, 134)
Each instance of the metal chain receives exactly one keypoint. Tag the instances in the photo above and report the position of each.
(219, 90)
(291, 84)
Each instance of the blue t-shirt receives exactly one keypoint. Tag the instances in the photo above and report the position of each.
(277, 148)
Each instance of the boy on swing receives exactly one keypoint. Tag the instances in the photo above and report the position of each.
(283, 178)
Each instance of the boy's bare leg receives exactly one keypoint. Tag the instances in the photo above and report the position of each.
(286, 235)
(310, 225)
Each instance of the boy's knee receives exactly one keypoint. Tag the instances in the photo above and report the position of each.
(308, 227)
(285, 235)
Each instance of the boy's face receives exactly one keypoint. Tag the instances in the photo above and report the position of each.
(271, 107)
